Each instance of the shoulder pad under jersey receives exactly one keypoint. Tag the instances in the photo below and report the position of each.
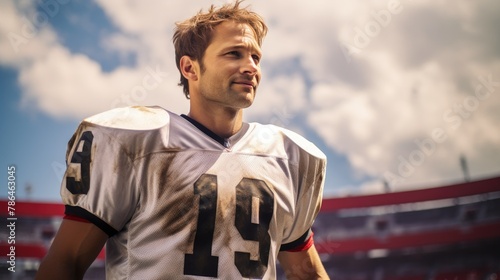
(131, 118)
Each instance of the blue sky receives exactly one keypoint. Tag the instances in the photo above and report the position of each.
(390, 90)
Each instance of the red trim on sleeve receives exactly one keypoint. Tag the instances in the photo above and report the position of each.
(306, 245)
(75, 218)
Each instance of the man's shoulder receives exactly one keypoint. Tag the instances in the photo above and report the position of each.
(132, 118)
(290, 139)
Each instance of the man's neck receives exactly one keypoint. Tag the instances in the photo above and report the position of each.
(223, 122)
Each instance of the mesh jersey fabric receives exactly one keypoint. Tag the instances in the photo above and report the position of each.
(179, 205)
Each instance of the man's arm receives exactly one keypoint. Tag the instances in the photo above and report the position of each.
(73, 250)
(302, 265)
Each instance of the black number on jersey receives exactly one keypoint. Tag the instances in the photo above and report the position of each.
(248, 192)
(82, 156)
(201, 262)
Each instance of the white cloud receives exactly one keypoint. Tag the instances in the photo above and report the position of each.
(369, 105)
(65, 84)
(25, 32)
(405, 100)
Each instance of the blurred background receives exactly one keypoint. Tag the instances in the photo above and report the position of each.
(401, 96)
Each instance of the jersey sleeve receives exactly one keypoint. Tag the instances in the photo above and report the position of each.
(310, 170)
(99, 182)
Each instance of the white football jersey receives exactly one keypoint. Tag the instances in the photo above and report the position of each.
(177, 204)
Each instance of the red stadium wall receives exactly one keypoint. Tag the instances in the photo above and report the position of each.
(458, 232)
(341, 238)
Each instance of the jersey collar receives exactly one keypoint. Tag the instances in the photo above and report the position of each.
(226, 142)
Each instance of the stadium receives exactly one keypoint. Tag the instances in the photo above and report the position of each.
(447, 232)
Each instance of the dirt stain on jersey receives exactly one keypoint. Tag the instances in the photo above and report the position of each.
(174, 201)
(143, 109)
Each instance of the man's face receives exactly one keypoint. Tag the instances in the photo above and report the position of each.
(231, 71)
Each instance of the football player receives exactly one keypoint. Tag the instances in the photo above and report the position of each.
(197, 195)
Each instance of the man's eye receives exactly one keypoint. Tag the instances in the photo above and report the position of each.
(256, 58)
(234, 53)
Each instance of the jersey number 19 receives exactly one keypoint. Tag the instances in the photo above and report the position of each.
(248, 192)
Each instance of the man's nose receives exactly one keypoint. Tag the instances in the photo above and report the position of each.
(249, 66)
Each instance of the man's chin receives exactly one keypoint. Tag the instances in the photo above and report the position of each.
(247, 103)
(245, 100)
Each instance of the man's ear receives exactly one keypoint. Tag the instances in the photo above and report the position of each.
(189, 68)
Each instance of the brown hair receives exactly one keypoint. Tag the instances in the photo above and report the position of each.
(193, 35)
